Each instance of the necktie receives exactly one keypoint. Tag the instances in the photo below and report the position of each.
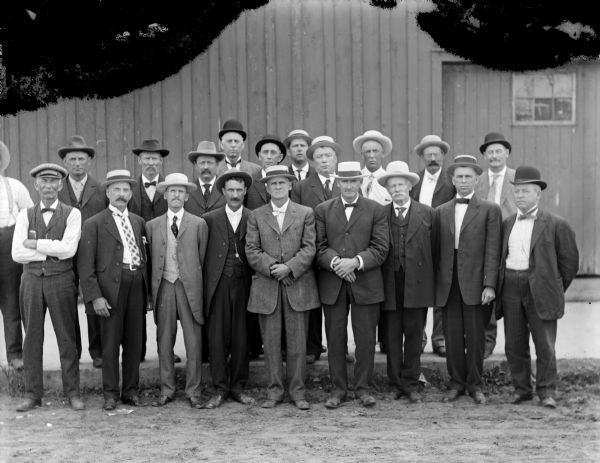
(174, 227)
(233, 165)
(370, 185)
(461, 200)
(400, 210)
(327, 189)
(77, 189)
(47, 209)
(529, 215)
(131, 244)
(493, 187)
(299, 174)
(206, 193)
(149, 184)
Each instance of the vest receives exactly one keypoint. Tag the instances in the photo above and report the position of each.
(55, 231)
(171, 268)
(149, 210)
(399, 228)
(234, 265)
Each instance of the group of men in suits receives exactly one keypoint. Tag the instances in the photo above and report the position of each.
(251, 256)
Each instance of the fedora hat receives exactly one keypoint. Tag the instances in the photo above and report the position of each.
(233, 126)
(398, 169)
(297, 133)
(464, 160)
(118, 175)
(175, 179)
(4, 157)
(270, 139)
(49, 170)
(431, 140)
(374, 135)
(205, 148)
(323, 140)
(150, 146)
(277, 171)
(528, 174)
(76, 143)
(349, 170)
(233, 173)
(494, 137)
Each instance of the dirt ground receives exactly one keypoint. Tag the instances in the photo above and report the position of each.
(393, 430)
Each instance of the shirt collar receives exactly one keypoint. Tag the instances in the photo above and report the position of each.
(282, 208)
(114, 210)
(433, 176)
(533, 211)
(346, 202)
(171, 214)
(304, 168)
(82, 181)
(376, 174)
(406, 205)
(211, 183)
(229, 211)
(145, 179)
(469, 196)
(502, 173)
(54, 205)
(324, 179)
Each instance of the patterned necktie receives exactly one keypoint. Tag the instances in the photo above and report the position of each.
(400, 210)
(174, 227)
(130, 238)
(206, 193)
(493, 187)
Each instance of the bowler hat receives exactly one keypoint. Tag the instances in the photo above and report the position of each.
(321, 141)
(297, 133)
(432, 140)
(49, 170)
(232, 126)
(494, 137)
(76, 143)
(118, 175)
(277, 171)
(233, 173)
(464, 160)
(528, 174)
(4, 157)
(374, 135)
(150, 146)
(270, 139)
(175, 179)
(205, 148)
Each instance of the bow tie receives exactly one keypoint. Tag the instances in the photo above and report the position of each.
(47, 209)
(350, 205)
(149, 184)
(276, 212)
(529, 215)
(461, 200)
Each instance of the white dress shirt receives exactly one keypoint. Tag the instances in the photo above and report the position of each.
(234, 217)
(499, 183)
(348, 211)
(125, 213)
(428, 187)
(519, 242)
(171, 214)
(211, 183)
(151, 190)
(279, 212)
(64, 248)
(324, 179)
(19, 197)
(459, 214)
(234, 165)
(303, 171)
(78, 186)
(371, 188)
(397, 206)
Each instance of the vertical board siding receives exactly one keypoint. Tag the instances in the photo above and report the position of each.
(336, 67)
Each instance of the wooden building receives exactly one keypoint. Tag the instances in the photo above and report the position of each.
(340, 67)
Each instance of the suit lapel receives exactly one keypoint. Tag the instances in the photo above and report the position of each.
(269, 218)
(243, 222)
(88, 191)
(538, 228)
(414, 221)
(290, 216)
(111, 226)
(214, 196)
(472, 211)
(317, 188)
(185, 221)
(157, 195)
(484, 185)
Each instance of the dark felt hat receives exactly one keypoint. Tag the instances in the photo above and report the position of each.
(464, 160)
(150, 146)
(233, 126)
(270, 139)
(233, 173)
(76, 143)
(529, 174)
(494, 137)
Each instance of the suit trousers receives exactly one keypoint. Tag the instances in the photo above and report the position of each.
(93, 325)
(58, 293)
(10, 277)
(403, 337)
(364, 326)
(464, 330)
(296, 327)
(521, 319)
(124, 327)
(227, 336)
(172, 303)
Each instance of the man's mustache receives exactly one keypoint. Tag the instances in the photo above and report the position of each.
(121, 198)
(433, 163)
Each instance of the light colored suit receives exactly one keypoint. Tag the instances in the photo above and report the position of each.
(507, 195)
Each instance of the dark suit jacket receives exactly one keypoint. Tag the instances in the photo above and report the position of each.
(135, 205)
(311, 171)
(196, 204)
(217, 249)
(100, 257)
(245, 166)
(444, 190)
(93, 198)
(478, 250)
(507, 195)
(256, 195)
(309, 192)
(366, 234)
(419, 281)
(553, 263)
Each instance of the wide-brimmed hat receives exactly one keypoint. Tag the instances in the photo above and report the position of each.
(233, 173)
(233, 126)
(206, 148)
(4, 157)
(277, 171)
(270, 139)
(119, 175)
(49, 170)
(175, 179)
(494, 137)
(398, 169)
(323, 140)
(150, 146)
(349, 170)
(529, 174)
(464, 160)
(76, 143)
(431, 140)
(374, 135)
(297, 133)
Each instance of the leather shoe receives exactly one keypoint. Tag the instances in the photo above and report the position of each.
(302, 404)
(479, 398)
(312, 358)
(349, 358)
(548, 402)
(195, 403)
(333, 402)
(440, 351)
(242, 398)
(176, 358)
(518, 398)
(109, 404)
(134, 401)
(415, 398)
(162, 401)
(452, 395)
(367, 400)
(77, 403)
(97, 362)
(215, 401)
(270, 403)
(29, 404)
(16, 363)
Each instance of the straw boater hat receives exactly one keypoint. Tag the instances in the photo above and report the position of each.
(349, 170)
(297, 133)
(431, 140)
(4, 157)
(233, 173)
(277, 171)
(323, 140)
(494, 137)
(398, 169)
(175, 179)
(374, 135)
(528, 174)
(76, 143)
(232, 126)
(150, 146)
(464, 160)
(49, 170)
(270, 139)
(205, 148)
(119, 175)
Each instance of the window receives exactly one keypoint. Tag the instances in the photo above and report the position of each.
(544, 98)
